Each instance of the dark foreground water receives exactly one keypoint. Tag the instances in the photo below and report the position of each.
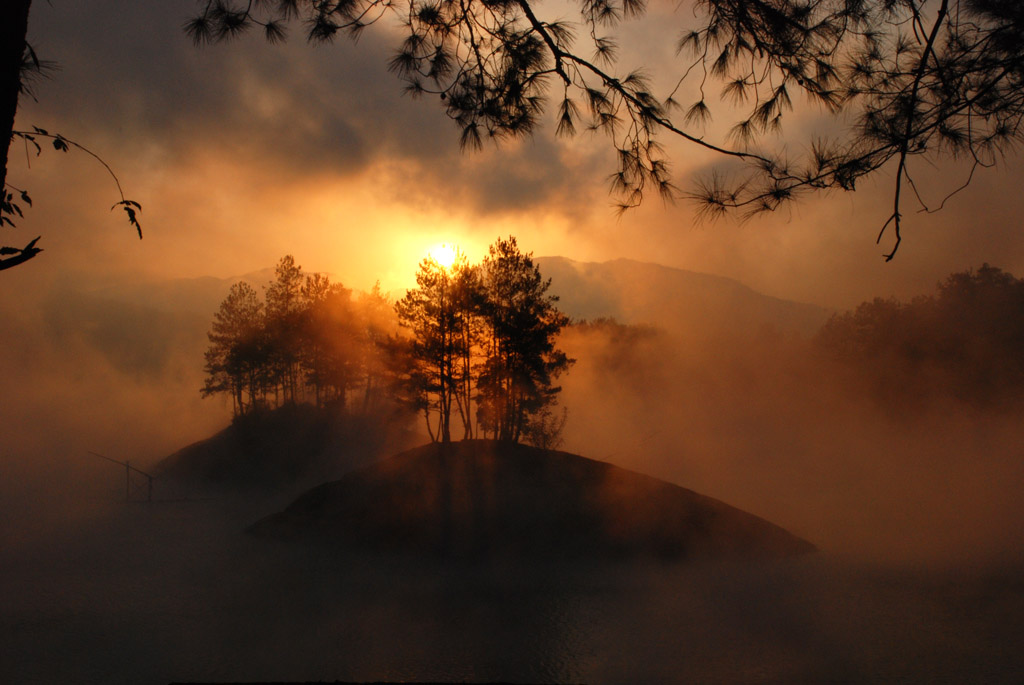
(175, 592)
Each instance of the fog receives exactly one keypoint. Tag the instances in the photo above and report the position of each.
(915, 510)
(775, 428)
(160, 594)
(241, 153)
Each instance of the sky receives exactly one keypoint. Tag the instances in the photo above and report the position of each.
(242, 152)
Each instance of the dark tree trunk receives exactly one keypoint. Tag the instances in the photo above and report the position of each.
(13, 29)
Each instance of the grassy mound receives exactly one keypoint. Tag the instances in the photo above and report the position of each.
(480, 498)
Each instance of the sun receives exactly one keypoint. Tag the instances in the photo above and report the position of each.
(443, 254)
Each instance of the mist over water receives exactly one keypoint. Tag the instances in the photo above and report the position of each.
(916, 510)
(173, 592)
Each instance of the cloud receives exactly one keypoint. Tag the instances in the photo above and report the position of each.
(292, 110)
(230, 146)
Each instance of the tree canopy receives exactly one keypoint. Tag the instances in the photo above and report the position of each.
(477, 343)
(486, 335)
(964, 341)
(307, 339)
(911, 78)
(522, 322)
(440, 315)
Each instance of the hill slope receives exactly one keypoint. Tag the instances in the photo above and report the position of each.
(482, 497)
(277, 448)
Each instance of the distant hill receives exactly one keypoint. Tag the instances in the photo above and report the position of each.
(157, 330)
(201, 295)
(134, 337)
(158, 327)
(688, 302)
(146, 329)
(481, 497)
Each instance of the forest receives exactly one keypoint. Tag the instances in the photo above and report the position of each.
(473, 348)
(964, 342)
(472, 343)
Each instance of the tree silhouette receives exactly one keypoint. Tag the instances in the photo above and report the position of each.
(485, 335)
(965, 341)
(468, 302)
(431, 314)
(329, 339)
(234, 360)
(13, 51)
(18, 62)
(307, 341)
(480, 346)
(382, 358)
(522, 321)
(914, 77)
(284, 326)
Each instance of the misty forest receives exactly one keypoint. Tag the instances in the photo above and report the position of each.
(481, 346)
(734, 396)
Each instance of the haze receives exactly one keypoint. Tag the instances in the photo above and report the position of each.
(245, 152)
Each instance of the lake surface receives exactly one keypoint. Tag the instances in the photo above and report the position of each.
(176, 592)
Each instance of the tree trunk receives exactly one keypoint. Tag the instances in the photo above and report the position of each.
(13, 29)
(366, 394)
(430, 430)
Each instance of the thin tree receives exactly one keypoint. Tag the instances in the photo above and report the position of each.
(377, 324)
(13, 48)
(429, 312)
(284, 307)
(328, 339)
(467, 300)
(234, 358)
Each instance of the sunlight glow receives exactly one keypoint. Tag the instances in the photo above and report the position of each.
(443, 254)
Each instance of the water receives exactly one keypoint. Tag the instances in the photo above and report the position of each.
(175, 592)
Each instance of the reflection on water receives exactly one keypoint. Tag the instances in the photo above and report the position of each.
(175, 592)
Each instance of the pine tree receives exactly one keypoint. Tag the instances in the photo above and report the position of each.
(429, 312)
(235, 356)
(284, 312)
(378, 327)
(521, 364)
(329, 339)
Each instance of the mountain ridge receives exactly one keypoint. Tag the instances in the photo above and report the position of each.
(134, 326)
(635, 292)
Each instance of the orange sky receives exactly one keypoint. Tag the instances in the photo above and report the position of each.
(243, 152)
